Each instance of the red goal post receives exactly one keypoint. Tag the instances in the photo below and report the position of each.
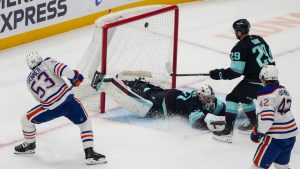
(138, 39)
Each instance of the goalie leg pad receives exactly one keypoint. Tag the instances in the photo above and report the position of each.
(122, 94)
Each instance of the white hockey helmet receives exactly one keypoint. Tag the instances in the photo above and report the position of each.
(33, 59)
(206, 96)
(268, 72)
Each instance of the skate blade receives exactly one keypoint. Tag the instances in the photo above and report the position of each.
(91, 161)
(199, 133)
(226, 139)
(26, 152)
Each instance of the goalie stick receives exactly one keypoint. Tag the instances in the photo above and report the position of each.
(169, 70)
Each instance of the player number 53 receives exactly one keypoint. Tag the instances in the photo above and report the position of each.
(48, 83)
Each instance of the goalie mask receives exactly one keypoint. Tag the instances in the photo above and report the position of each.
(33, 59)
(207, 97)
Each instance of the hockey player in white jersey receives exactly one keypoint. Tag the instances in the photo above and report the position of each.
(277, 129)
(55, 99)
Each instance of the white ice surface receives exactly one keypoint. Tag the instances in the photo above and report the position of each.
(204, 45)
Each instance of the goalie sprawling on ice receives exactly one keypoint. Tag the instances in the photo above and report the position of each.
(200, 107)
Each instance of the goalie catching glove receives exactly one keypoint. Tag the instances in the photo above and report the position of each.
(77, 79)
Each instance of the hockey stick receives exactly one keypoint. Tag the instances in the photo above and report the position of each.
(170, 71)
(190, 74)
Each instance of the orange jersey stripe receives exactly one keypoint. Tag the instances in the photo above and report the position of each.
(262, 149)
(286, 127)
(264, 115)
(58, 69)
(29, 115)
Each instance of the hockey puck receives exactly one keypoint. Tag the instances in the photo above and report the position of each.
(146, 24)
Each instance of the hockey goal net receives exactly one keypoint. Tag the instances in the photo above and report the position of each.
(137, 42)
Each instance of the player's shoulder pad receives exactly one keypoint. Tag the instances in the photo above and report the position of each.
(50, 60)
(268, 89)
(261, 39)
(47, 58)
(255, 36)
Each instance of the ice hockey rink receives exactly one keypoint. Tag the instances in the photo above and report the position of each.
(205, 40)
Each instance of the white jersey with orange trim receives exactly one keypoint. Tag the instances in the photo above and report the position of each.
(275, 118)
(46, 84)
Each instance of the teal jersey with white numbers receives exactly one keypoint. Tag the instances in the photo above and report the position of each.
(248, 57)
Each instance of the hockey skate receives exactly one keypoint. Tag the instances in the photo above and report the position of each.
(25, 148)
(224, 135)
(247, 126)
(93, 158)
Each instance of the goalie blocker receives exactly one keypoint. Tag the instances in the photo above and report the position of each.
(126, 98)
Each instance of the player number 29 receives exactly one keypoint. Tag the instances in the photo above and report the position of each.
(235, 55)
(261, 51)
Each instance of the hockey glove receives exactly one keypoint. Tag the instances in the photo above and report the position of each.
(217, 74)
(255, 135)
(77, 79)
(97, 80)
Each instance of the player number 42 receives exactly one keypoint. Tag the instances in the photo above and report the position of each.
(284, 106)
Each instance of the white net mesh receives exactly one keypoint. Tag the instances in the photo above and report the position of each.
(145, 43)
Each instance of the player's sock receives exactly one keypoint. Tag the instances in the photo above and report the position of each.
(87, 141)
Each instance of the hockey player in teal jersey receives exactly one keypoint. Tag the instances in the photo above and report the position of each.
(248, 57)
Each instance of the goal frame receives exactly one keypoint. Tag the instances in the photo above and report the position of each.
(106, 27)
